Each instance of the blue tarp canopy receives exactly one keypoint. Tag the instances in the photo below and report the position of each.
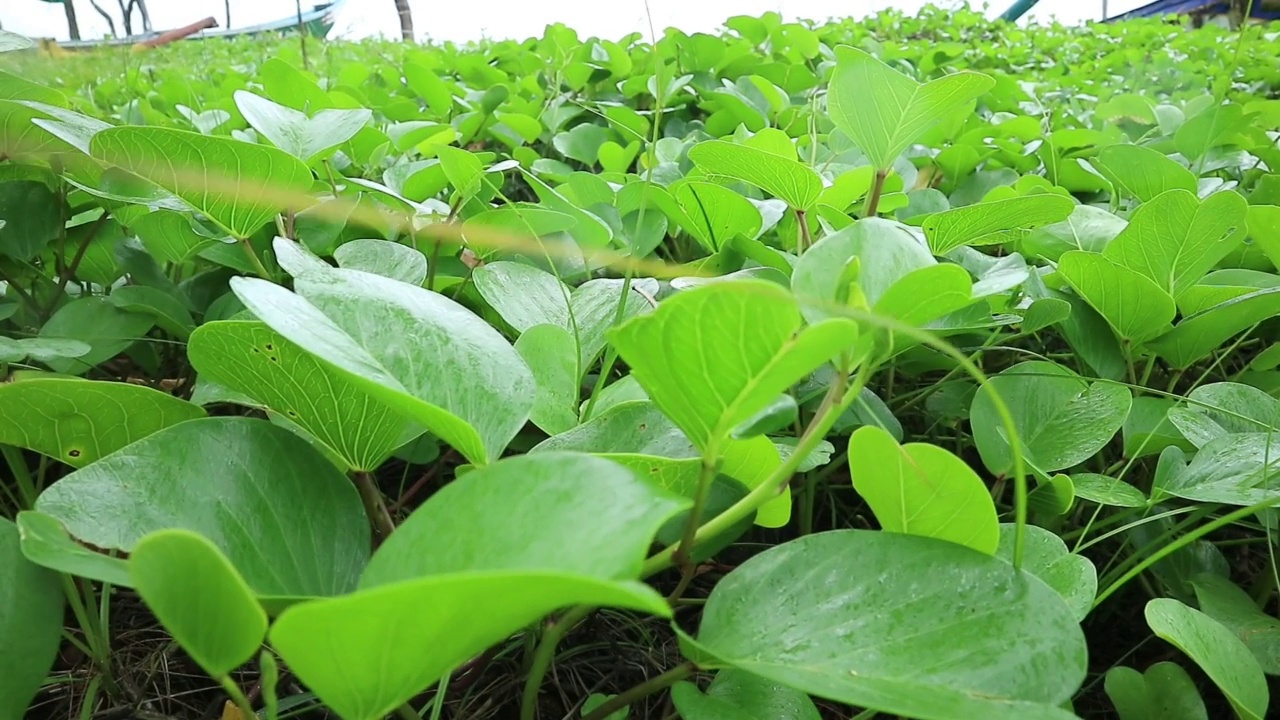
(1186, 7)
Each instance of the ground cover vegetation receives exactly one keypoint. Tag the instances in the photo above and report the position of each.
(919, 367)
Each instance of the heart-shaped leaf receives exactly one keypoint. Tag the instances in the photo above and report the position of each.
(79, 421)
(415, 350)
(1175, 239)
(1142, 172)
(795, 614)
(922, 489)
(1135, 306)
(1061, 418)
(1164, 692)
(884, 111)
(292, 131)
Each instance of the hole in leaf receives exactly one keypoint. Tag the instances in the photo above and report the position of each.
(74, 453)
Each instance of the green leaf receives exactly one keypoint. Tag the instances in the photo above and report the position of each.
(463, 169)
(210, 476)
(525, 296)
(79, 421)
(1164, 692)
(252, 359)
(385, 258)
(199, 598)
(735, 374)
(167, 309)
(549, 352)
(884, 250)
(884, 111)
(1220, 409)
(238, 185)
(783, 177)
(738, 695)
(1045, 313)
(1045, 555)
(926, 294)
(294, 132)
(922, 489)
(618, 158)
(1142, 172)
(1174, 239)
(30, 624)
(1195, 337)
(487, 555)
(714, 215)
(1061, 419)
(1231, 606)
(1135, 306)
(46, 542)
(1222, 656)
(13, 87)
(995, 222)
(582, 143)
(32, 217)
(1148, 431)
(1236, 469)
(935, 650)
(1087, 228)
(415, 350)
(1106, 490)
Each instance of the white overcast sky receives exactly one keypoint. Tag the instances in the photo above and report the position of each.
(462, 20)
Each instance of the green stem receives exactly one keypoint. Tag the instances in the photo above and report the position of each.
(641, 691)
(837, 400)
(374, 506)
(237, 696)
(806, 238)
(258, 267)
(1180, 543)
(877, 189)
(406, 712)
(683, 555)
(545, 655)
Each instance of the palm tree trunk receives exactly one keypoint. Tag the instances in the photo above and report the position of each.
(406, 20)
(73, 25)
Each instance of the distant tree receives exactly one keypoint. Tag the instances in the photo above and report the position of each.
(105, 16)
(406, 20)
(73, 25)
